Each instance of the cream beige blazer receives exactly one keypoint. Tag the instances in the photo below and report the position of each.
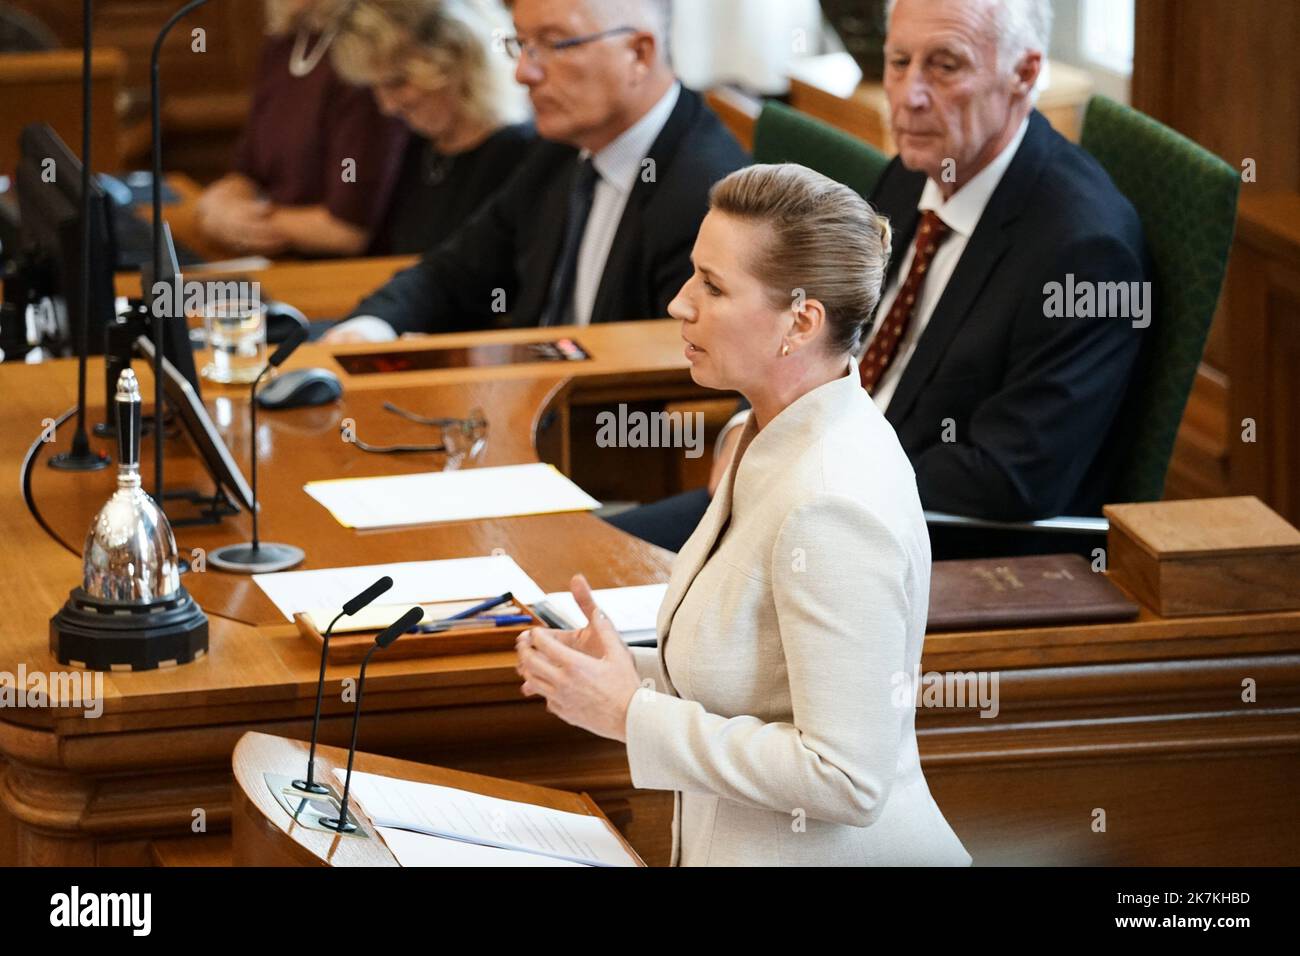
(776, 703)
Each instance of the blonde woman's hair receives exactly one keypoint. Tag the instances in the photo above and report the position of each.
(440, 44)
(824, 242)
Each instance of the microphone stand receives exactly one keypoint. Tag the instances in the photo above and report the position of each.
(82, 457)
(341, 823)
(352, 607)
(310, 785)
(155, 108)
(257, 557)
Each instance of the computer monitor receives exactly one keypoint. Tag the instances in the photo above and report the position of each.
(176, 332)
(49, 185)
(203, 433)
(49, 205)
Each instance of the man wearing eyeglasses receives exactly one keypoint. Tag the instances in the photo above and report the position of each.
(598, 222)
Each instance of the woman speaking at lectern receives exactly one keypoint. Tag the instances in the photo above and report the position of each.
(772, 705)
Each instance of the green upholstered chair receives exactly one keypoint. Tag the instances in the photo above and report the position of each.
(1186, 198)
(785, 135)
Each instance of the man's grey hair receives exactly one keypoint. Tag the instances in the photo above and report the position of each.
(652, 16)
(1019, 25)
(1022, 26)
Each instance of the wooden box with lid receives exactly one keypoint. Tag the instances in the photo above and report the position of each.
(1208, 556)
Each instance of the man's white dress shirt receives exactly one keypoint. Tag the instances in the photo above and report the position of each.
(618, 166)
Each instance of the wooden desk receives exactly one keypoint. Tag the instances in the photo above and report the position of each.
(265, 835)
(827, 87)
(1144, 720)
(323, 290)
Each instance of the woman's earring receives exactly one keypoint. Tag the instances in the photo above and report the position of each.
(785, 349)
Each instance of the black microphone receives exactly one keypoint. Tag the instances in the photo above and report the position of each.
(155, 120)
(406, 623)
(295, 339)
(351, 607)
(258, 558)
(82, 457)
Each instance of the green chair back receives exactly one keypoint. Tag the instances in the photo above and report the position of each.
(1186, 198)
(785, 135)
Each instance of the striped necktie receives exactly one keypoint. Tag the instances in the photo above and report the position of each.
(884, 347)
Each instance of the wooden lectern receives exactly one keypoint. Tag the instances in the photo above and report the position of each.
(265, 835)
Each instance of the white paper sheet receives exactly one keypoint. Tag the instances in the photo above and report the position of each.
(399, 500)
(414, 582)
(487, 821)
(634, 611)
(420, 849)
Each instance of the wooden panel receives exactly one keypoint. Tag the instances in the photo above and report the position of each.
(233, 31)
(1242, 100)
(46, 88)
(205, 93)
(1198, 467)
(1225, 75)
(198, 850)
(1263, 299)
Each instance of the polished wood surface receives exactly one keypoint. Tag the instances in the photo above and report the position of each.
(1123, 716)
(264, 835)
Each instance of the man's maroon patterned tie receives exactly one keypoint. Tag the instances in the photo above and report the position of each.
(884, 347)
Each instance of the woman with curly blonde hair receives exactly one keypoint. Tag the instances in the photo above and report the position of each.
(315, 155)
(434, 65)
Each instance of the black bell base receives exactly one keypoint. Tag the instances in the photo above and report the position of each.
(106, 635)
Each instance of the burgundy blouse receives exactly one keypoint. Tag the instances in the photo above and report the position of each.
(301, 130)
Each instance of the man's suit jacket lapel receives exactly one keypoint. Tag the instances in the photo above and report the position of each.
(611, 296)
(550, 210)
(985, 248)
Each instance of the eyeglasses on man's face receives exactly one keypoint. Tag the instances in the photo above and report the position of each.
(539, 51)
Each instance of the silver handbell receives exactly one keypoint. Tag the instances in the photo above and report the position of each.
(131, 611)
(130, 551)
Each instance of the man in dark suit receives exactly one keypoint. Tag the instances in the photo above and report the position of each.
(1001, 381)
(598, 223)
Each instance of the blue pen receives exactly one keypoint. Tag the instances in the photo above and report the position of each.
(491, 620)
(480, 608)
